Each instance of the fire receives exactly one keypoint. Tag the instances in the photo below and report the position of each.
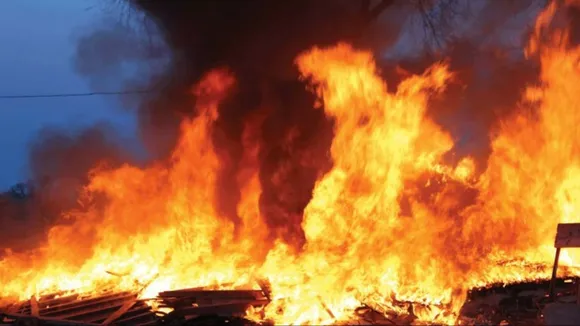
(532, 175)
(391, 223)
(354, 222)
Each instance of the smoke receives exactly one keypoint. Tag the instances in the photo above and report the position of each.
(483, 42)
(112, 56)
(70, 154)
(60, 161)
(59, 164)
(259, 39)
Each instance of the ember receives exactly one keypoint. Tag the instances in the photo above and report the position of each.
(388, 238)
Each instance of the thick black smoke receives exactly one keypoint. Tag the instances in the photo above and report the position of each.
(59, 161)
(259, 39)
(71, 154)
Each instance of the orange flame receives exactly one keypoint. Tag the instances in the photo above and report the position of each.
(391, 222)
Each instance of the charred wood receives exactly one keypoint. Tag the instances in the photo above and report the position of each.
(107, 308)
(120, 312)
(214, 294)
(34, 307)
(218, 320)
(14, 318)
(222, 309)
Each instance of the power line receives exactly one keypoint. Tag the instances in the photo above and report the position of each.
(24, 96)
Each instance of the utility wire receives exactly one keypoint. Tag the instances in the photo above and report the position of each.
(24, 96)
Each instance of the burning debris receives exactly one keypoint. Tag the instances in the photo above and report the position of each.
(188, 306)
(515, 304)
(105, 308)
(193, 303)
(387, 236)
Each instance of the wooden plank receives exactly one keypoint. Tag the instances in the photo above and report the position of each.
(75, 301)
(120, 312)
(15, 307)
(45, 320)
(323, 304)
(266, 287)
(188, 302)
(567, 235)
(215, 294)
(136, 309)
(95, 308)
(34, 311)
(177, 292)
(215, 287)
(44, 303)
(90, 302)
(95, 315)
(151, 323)
(51, 296)
(145, 316)
(225, 309)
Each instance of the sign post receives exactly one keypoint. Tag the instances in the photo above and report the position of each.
(567, 236)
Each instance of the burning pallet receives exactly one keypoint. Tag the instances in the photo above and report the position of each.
(189, 306)
(119, 308)
(516, 304)
(199, 303)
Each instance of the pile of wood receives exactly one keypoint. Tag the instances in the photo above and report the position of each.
(515, 304)
(192, 304)
(195, 306)
(105, 308)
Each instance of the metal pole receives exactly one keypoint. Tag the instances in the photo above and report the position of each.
(553, 280)
(578, 291)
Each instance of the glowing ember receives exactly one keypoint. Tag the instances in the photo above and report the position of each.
(389, 223)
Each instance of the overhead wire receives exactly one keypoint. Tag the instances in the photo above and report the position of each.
(109, 93)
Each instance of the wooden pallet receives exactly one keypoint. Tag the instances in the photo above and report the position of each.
(191, 303)
(105, 308)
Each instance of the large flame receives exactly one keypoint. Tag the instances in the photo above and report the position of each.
(390, 222)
